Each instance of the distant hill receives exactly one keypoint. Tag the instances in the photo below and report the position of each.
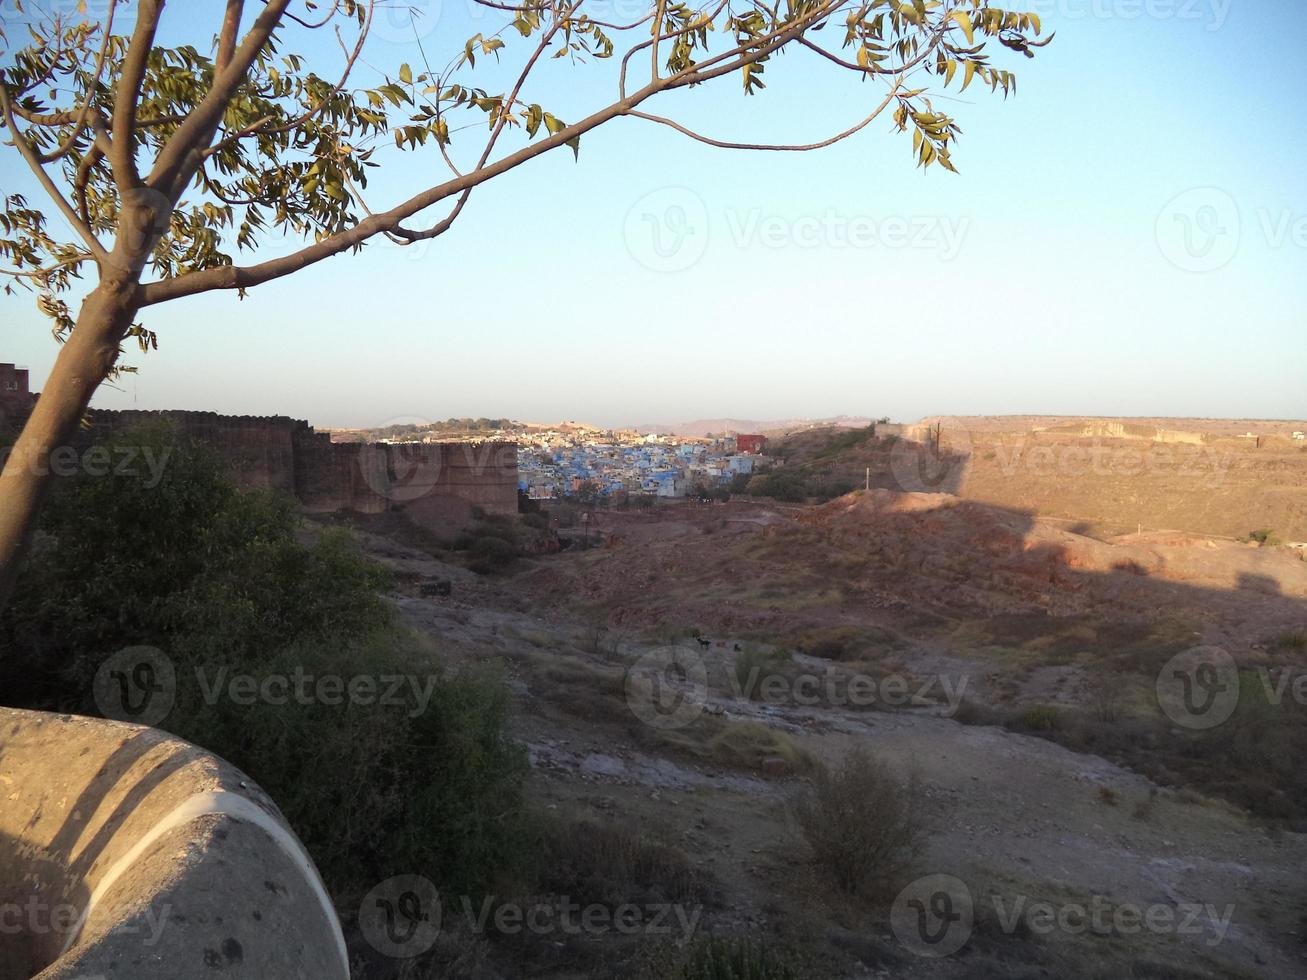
(702, 427)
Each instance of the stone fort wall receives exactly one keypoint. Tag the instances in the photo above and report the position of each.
(433, 483)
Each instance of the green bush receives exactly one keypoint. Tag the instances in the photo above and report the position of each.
(1039, 718)
(787, 487)
(1265, 537)
(488, 554)
(537, 520)
(754, 664)
(609, 864)
(218, 581)
(861, 821)
(733, 959)
(1295, 640)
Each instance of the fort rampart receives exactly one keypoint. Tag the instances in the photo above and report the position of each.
(433, 483)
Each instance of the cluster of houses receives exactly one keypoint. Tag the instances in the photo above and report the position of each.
(618, 464)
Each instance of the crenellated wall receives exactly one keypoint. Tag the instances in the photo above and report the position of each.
(432, 482)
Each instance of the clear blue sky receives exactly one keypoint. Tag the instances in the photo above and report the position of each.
(1052, 276)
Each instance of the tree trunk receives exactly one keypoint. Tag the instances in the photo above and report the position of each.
(83, 362)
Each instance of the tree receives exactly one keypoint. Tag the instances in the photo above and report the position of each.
(165, 160)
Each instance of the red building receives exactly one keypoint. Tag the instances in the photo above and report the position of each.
(750, 444)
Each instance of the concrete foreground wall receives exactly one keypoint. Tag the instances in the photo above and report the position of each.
(128, 853)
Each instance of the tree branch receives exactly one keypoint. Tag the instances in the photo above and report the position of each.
(231, 23)
(33, 161)
(237, 277)
(773, 146)
(128, 92)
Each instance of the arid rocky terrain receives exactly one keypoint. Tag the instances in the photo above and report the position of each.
(1015, 665)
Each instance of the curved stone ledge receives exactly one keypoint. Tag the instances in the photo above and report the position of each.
(127, 852)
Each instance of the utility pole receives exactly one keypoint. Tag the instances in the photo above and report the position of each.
(868, 487)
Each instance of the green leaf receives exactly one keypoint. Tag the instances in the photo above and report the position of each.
(964, 22)
(966, 80)
(406, 74)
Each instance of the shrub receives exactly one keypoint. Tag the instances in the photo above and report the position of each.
(752, 667)
(1265, 537)
(732, 959)
(380, 789)
(537, 520)
(1039, 718)
(218, 580)
(489, 553)
(860, 821)
(787, 487)
(606, 864)
(1295, 640)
